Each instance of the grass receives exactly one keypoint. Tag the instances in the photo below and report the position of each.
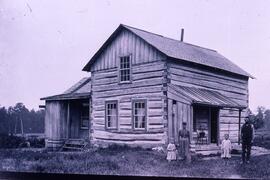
(128, 161)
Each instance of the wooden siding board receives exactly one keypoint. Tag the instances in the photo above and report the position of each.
(124, 44)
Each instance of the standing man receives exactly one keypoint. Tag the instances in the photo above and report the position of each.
(247, 136)
(184, 140)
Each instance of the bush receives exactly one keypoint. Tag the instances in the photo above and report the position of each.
(36, 142)
(11, 141)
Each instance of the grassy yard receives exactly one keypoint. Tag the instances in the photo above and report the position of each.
(128, 161)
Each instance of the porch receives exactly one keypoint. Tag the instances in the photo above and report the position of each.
(68, 115)
(200, 109)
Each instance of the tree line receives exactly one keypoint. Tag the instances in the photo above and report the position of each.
(261, 118)
(19, 120)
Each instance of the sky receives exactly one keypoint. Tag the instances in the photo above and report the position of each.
(44, 44)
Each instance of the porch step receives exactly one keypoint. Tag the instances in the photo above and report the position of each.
(207, 149)
(74, 144)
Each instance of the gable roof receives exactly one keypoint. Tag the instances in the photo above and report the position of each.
(80, 90)
(176, 49)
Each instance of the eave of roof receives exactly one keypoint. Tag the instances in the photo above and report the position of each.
(67, 96)
(206, 97)
(80, 90)
(176, 49)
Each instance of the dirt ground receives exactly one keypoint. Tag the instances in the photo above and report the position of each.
(130, 161)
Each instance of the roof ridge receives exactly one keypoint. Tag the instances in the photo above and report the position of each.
(85, 81)
(169, 38)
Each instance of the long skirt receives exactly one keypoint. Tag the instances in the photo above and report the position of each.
(184, 149)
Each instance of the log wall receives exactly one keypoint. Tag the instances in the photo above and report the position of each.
(147, 84)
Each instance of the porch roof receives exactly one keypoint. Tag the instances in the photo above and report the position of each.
(207, 97)
(67, 96)
(80, 90)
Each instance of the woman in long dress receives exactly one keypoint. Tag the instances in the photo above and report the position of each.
(184, 141)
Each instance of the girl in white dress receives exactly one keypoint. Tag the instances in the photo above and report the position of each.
(171, 152)
(226, 147)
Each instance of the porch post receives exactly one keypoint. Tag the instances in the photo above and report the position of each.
(170, 120)
(191, 122)
(239, 127)
(209, 125)
(68, 119)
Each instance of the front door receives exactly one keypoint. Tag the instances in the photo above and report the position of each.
(205, 118)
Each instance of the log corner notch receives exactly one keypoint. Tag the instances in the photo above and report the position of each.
(239, 127)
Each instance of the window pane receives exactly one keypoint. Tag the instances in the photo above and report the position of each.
(139, 115)
(111, 117)
(125, 68)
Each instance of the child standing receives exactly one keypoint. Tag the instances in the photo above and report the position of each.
(226, 147)
(171, 152)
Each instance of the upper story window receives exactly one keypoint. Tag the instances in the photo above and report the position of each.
(111, 114)
(125, 69)
(139, 114)
(85, 116)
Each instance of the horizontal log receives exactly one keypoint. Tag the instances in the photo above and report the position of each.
(206, 72)
(150, 67)
(229, 128)
(128, 97)
(231, 120)
(133, 91)
(113, 72)
(105, 81)
(147, 75)
(133, 143)
(209, 84)
(134, 84)
(127, 136)
(200, 77)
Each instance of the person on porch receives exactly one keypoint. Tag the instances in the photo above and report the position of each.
(247, 135)
(184, 141)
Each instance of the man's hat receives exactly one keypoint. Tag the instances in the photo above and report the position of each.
(184, 123)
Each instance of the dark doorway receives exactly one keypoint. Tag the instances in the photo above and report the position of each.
(214, 125)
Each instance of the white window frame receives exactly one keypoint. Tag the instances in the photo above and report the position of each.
(106, 114)
(134, 115)
(120, 69)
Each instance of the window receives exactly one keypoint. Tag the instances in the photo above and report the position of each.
(139, 114)
(85, 116)
(125, 66)
(111, 115)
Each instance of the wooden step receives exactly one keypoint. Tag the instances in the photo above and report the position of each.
(71, 148)
(210, 147)
(74, 144)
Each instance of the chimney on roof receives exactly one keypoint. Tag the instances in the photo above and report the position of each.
(182, 35)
